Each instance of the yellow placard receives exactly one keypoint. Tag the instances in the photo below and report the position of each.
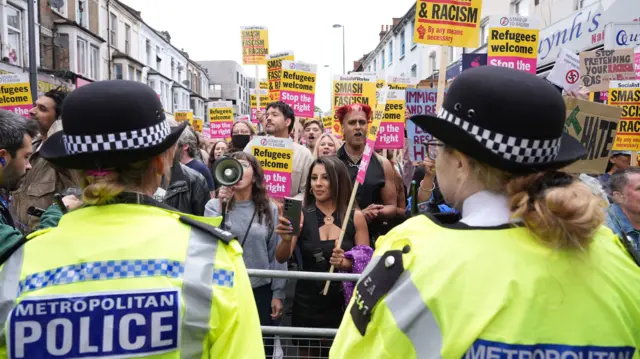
(274, 159)
(298, 81)
(264, 85)
(513, 42)
(255, 45)
(198, 124)
(274, 72)
(394, 111)
(378, 116)
(626, 95)
(264, 100)
(221, 114)
(327, 123)
(447, 23)
(380, 84)
(182, 116)
(351, 89)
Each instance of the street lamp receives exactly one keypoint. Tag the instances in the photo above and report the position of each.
(343, 58)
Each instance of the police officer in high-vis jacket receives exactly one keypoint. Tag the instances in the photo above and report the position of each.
(529, 271)
(124, 276)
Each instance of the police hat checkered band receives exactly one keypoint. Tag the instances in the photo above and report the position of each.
(115, 269)
(521, 150)
(143, 138)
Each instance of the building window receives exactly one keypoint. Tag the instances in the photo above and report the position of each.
(82, 15)
(59, 6)
(451, 54)
(382, 60)
(127, 39)
(175, 100)
(94, 62)
(390, 52)
(414, 70)
(117, 70)
(173, 68)
(82, 57)
(411, 34)
(402, 41)
(239, 93)
(14, 28)
(484, 34)
(158, 58)
(113, 30)
(148, 52)
(521, 7)
(237, 78)
(375, 65)
(138, 75)
(432, 62)
(152, 84)
(585, 3)
(132, 73)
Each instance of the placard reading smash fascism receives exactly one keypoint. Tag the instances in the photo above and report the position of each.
(276, 158)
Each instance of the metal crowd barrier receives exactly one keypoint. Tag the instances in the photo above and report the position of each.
(286, 342)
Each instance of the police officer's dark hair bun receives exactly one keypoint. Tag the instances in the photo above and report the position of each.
(558, 208)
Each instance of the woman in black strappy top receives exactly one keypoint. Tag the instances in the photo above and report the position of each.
(325, 207)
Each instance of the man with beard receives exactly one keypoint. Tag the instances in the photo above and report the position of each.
(311, 131)
(279, 122)
(43, 180)
(376, 200)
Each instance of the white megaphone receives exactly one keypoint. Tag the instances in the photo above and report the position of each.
(227, 171)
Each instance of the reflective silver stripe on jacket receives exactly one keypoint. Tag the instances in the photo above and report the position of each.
(197, 292)
(414, 318)
(9, 283)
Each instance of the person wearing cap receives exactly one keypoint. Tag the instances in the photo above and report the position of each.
(528, 272)
(124, 275)
(619, 161)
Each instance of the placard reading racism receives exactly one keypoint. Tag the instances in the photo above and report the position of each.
(350, 89)
(274, 72)
(599, 67)
(391, 132)
(626, 95)
(447, 23)
(566, 71)
(15, 94)
(298, 87)
(419, 102)
(184, 115)
(401, 83)
(264, 101)
(276, 158)
(372, 135)
(513, 43)
(255, 44)
(221, 119)
(594, 125)
(198, 124)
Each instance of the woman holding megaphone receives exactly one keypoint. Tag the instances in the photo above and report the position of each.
(252, 217)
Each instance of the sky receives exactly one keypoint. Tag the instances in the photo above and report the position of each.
(210, 30)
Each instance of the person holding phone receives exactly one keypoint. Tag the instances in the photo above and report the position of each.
(252, 217)
(326, 205)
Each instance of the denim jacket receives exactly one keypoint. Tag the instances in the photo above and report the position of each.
(618, 222)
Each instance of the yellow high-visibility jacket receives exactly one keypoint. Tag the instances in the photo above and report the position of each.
(128, 280)
(433, 291)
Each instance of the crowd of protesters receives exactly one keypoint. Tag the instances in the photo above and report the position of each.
(324, 171)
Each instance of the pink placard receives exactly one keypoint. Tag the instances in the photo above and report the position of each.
(390, 136)
(18, 109)
(518, 63)
(278, 184)
(637, 64)
(303, 104)
(364, 162)
(220, 129)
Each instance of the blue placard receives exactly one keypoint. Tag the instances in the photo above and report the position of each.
(105, 325)
(419, 102)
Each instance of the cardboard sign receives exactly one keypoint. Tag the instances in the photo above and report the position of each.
(378, 115)
(594, 125)
(626, 95)
(599, 67)
(255, 45)
(274, 72)
(419, 102)
(276, 158)
(448, 23)
(391, 132)
(15, 94)
(221, 119)
(298, 87)
(566, 71)
(349, 89)
(513, 42)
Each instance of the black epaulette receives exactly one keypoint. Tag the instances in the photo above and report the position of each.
(218, 233)
(374, 284)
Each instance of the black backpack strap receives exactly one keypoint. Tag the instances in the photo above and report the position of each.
(11, 250)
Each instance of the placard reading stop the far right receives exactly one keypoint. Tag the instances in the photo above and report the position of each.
(566, 72)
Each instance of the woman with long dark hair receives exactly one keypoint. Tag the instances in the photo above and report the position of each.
(251, 217)
(218, 149)
(326, 205)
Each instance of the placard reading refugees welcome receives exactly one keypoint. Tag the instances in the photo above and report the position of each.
(400, 83)
(626, 95)
(298, 87)
(274, 72)
(264, 101)
(276, 158)
(15, 94)
(391, 132)
(221, 119)
(513, 42)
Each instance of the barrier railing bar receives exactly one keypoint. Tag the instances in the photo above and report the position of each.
(299, 331)
(268, 273)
